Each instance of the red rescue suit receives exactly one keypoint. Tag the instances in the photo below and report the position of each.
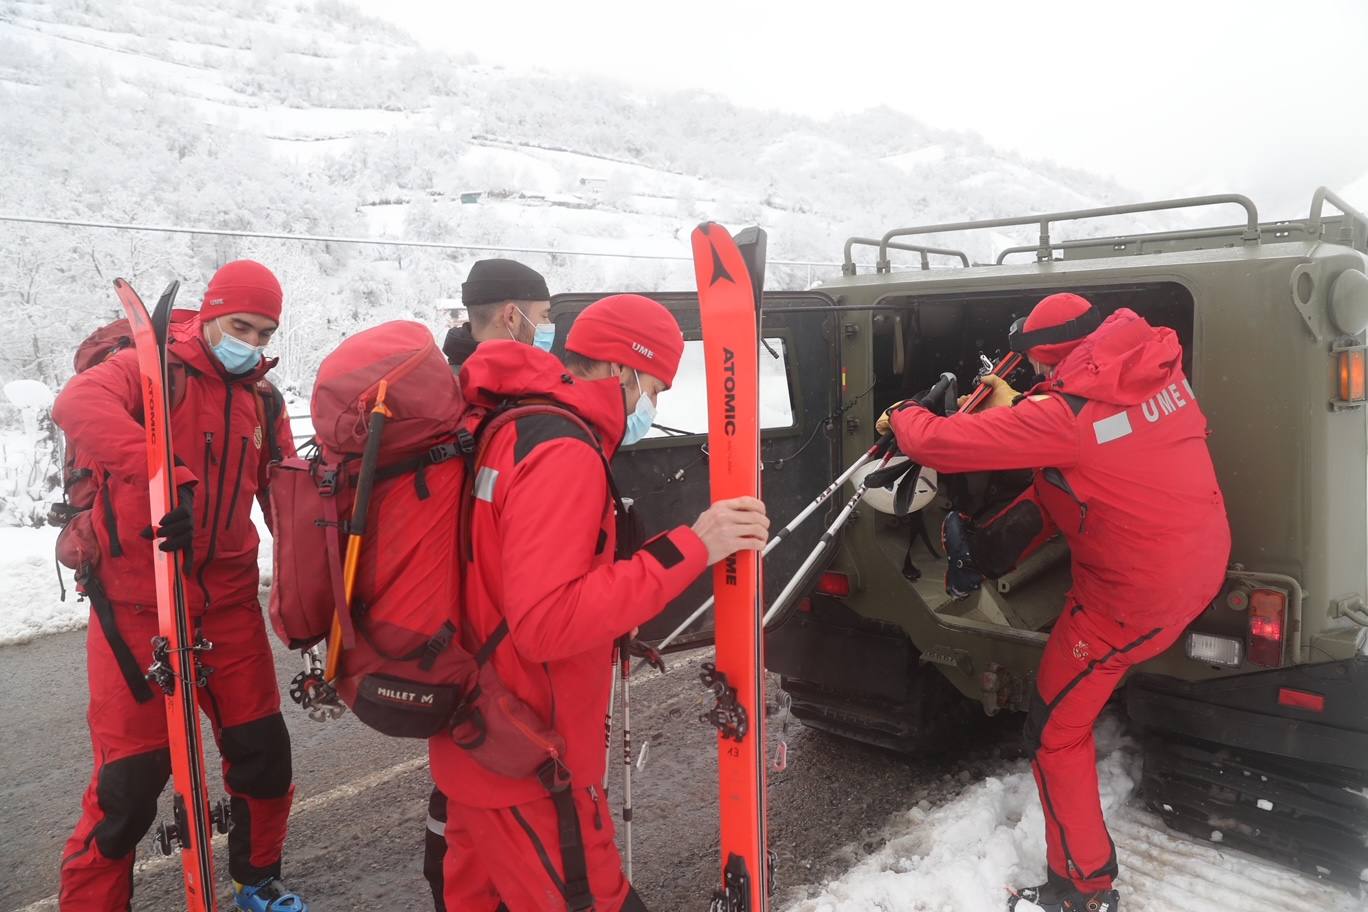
(1124, 474)
(543, 532)
(222, 448)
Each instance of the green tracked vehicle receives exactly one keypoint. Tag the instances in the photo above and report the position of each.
(1256, 721)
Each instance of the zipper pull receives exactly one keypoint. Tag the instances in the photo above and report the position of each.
(209, 447)
(598, 815)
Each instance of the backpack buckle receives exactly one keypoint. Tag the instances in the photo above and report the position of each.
(465, 440)
(441, 453)
(327, 482)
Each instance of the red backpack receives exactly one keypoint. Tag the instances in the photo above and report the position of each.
(405, 667)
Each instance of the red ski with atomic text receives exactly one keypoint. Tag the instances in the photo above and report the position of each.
(728, 303)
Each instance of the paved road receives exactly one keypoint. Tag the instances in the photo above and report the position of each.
(357, 829)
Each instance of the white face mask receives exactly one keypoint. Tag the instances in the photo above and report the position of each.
(642, 417)
(236, 356)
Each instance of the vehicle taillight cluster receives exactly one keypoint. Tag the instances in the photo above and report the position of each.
(1349, 374)
(1267, 626)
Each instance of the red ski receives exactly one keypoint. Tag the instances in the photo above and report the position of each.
(729, 308)
(175, 653)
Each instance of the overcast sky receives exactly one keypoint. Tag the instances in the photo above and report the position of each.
(1169, 98)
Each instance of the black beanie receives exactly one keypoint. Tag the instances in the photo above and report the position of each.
(495, 281)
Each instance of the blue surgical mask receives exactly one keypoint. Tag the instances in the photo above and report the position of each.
(640, 421)
(543, 334)
(236, 356)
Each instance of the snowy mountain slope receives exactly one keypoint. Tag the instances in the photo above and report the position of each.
(309, 118)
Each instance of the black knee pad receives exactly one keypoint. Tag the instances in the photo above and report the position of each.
(258, 755)
(127, 790)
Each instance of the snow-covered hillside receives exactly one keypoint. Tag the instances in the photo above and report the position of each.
(308, 117)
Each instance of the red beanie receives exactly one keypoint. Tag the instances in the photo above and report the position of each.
(1055, 310)
(242, 286)
(629, 329)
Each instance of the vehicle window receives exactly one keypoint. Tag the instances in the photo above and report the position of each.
(684, 407)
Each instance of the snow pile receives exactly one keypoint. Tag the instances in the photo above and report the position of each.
(959, 857)
(30, 601)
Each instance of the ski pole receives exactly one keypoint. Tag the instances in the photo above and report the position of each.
(841, 518)
(873, 452)
(608, 716)
(1009, 362)
(626, 673)
(876, 478)
(356, 528)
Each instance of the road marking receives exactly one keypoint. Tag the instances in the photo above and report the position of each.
(347, 790)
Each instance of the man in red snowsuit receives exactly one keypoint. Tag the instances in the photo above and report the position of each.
(543, 528)
(225, 421)
(506, 300)
(1123, 473)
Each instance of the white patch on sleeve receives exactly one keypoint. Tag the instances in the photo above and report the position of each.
(484, 483)
(1112, 428)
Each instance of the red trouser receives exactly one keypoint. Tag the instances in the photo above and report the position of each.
(133, 763)
(1085, 659)
(509, 859)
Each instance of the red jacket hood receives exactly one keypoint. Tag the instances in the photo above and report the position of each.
(186, 339)
(1122, 362)
(501, 370)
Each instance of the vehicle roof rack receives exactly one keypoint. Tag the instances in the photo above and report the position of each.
(848, 267)
(1353, 228)
(1120, 242)
(1249, 235)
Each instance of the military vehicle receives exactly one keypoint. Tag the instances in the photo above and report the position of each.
(1256, 721)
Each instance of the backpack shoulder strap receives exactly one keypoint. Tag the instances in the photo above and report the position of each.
(495, 421)
(270, 403)
(177, 379)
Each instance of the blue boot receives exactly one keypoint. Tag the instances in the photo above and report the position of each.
(268, 896)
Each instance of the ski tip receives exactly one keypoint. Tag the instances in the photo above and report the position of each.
(120, 283)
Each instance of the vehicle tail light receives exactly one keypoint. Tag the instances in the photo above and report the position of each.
(1349, 368)
(1301, 699)
(831, 583)
(1267, 625)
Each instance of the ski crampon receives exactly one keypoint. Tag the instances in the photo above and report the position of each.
(729, 308)
(175, 667)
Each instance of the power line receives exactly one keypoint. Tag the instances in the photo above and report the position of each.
(371, 242)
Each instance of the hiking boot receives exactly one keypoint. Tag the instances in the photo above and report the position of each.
(268, 896)
(1058, 894)
(961, 577)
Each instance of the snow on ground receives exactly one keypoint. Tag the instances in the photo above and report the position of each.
(30, 603)
(30, 598)
(959, 856)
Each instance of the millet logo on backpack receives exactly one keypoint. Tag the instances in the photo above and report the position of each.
(403, 696)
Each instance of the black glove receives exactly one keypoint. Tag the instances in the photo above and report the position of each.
(647, 653)
(177, 528)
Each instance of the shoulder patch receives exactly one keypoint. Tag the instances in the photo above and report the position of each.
(534, 430)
